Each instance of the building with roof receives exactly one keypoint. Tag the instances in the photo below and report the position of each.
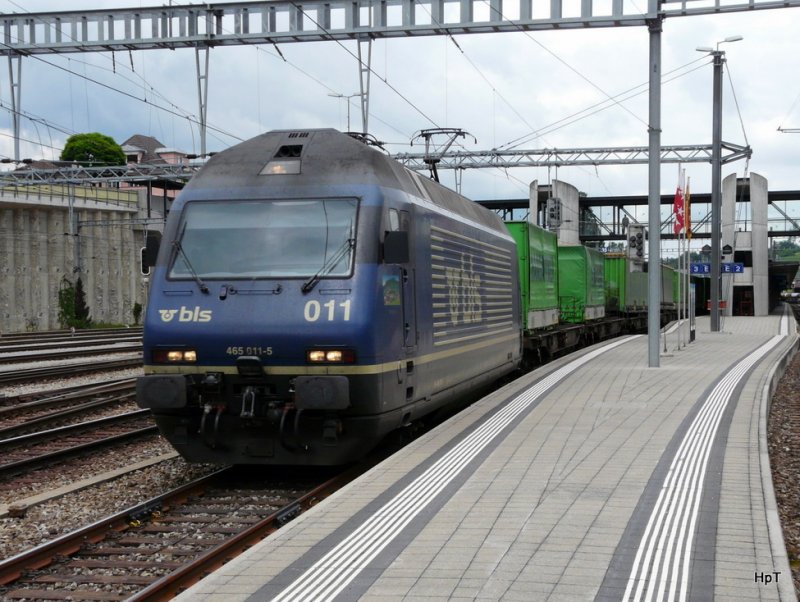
(146, 149)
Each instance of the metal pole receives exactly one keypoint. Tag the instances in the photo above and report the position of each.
(716, 179)
(202, 94)
(654, 198)
(364, 71)
(15, 60)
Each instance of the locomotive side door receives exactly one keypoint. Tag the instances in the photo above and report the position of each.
(402, 256)
(409, 301)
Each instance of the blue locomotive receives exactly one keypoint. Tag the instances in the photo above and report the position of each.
(312, 295)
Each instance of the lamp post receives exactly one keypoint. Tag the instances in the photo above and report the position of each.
(347, 98)
(716, 176)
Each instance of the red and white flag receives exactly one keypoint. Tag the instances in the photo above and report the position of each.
(678, 210)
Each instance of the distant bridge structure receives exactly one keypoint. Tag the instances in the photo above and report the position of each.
(784, 213)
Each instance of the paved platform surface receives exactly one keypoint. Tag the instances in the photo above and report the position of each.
(592, 478)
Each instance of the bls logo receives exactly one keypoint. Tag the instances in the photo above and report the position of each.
(185, 314)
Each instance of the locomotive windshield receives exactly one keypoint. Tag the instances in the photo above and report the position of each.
(265, 239)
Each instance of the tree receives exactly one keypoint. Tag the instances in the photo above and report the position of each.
(93, 149)
(786, 250)
(81, 309)
(72, 309)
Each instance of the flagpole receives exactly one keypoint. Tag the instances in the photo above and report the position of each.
(687, 220)
(679, 207)
(680, 288)
(688, 282)
(680, 278)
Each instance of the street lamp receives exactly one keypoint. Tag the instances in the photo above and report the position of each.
(347, 97)
(716, 176)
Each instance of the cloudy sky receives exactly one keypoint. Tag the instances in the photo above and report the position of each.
(528, 90)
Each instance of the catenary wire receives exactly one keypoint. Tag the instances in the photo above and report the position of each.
(129, 95)
(736, 103)
(562, 61)
(189, 115)
(600, 106)
(385, 81)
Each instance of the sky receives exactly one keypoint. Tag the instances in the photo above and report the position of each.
(505, 89)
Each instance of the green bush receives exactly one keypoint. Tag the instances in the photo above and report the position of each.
(72, 309)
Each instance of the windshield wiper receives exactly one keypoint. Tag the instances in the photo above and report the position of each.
(328, 265)
(178, 248)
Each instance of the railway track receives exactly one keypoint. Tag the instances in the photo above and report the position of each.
(67, 338)
(22, 375)
(27, 452)
(39, 354)
(21, 418)
(62, 395)
(158, 548)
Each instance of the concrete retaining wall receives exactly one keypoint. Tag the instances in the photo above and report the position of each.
(43, 241)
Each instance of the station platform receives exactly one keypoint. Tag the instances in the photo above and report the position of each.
(594, 477)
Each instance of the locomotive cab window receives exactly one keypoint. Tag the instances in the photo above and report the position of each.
(397, 220)
(394, 220)
(265, 239)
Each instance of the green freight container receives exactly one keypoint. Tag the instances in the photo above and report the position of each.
(537, 251)
(625, 290)
(581, 284)
(678, 286)
(669, 285)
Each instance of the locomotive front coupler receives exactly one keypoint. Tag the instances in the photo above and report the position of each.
(207, 409)
(248, 403)
(297, 446)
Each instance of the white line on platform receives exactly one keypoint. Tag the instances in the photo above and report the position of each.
(340, 566)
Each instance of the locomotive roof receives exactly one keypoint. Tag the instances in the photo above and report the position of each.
(328, 157)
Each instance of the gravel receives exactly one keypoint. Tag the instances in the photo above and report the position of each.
(72, 511)
(44, 521)
(784, 454)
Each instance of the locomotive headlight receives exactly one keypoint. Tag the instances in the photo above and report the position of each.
(316, 355)
(173, 356)
(278, 167)
(331, 356)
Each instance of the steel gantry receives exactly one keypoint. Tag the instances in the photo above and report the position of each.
(76, 174)
(557, 157)
(285, 21)
(456, 160)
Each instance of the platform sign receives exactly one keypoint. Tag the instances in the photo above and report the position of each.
(724, 268)
(732, 268)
